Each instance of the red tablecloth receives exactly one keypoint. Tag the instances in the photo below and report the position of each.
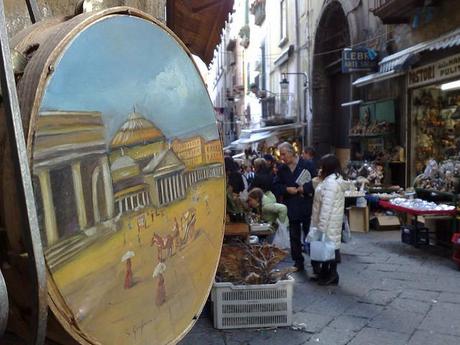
(412, 212)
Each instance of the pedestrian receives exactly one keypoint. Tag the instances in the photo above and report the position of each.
(309, 154)
(248, 175)
(293, 183)
(270, 162)
(327, 216)
(263, 176)
(249, 156)
(267, 208)
(234, 178)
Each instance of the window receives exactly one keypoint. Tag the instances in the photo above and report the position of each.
(283, 21)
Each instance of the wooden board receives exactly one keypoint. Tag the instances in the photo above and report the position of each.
(128, 176)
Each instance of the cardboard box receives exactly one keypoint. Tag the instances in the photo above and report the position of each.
(383, 223)
(358, 217)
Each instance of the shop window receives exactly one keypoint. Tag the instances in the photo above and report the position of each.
(374, 137)
(435, 118)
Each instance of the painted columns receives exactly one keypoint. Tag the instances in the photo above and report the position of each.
(94, 178)
(79, 196)
(48, 207)
(108, 188)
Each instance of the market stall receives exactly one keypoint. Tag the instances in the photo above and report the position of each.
(415, 233)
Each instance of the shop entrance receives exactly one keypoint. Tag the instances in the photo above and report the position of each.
(331, 88)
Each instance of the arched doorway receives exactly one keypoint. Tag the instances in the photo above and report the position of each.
(330, 87)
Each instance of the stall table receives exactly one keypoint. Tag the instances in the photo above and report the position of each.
(237, 230)
(416, 213)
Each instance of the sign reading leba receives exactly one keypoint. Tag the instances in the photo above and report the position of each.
(358, 59)
(440, 70)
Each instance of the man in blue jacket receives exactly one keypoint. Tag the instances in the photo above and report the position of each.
(293, 183)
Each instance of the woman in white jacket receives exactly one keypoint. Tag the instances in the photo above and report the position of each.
(327, 215)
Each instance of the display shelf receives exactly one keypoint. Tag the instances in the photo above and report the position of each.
(434, 193)
(377, 135)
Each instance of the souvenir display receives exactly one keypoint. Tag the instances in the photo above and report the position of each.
(443, 177)
(420, 205)
(371, 128)
(373, 172)
(128, 176)
(436, 125)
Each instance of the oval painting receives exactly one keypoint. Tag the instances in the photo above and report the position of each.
(128, 174)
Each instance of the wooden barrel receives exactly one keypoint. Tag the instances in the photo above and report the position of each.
(128, 179)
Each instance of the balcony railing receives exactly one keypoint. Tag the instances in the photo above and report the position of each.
(277, 108)
(399, 11)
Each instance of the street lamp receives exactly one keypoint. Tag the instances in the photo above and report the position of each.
(284, 84)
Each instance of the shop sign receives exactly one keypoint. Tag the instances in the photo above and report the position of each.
(359, 59)
(430, 74)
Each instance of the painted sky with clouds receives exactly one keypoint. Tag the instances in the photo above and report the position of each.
(124, 62)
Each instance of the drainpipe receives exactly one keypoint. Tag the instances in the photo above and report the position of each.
(297, 43)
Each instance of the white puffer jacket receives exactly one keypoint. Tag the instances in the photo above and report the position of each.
(328, 208)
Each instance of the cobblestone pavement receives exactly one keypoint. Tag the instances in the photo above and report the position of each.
(389, 294)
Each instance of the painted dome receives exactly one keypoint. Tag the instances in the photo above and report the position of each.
(136, 130)
(122, 163)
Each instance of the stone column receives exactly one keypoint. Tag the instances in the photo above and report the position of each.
(48, 207)
(108, 187)
(79, 196)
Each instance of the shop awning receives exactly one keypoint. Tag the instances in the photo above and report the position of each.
(199, 23)
(397, 64)
(250, 136)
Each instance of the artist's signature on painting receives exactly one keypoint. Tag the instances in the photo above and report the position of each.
(137, 330)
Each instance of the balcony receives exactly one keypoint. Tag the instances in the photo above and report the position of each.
(277, 109)
(399, 11)
(258, 10)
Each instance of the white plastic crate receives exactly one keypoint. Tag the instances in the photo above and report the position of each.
(252, 306)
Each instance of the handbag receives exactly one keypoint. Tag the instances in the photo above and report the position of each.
(323, 250)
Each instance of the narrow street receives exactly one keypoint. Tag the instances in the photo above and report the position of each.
(389, 294)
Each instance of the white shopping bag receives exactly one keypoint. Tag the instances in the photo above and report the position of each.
(281, 239)
(323, 250)
(346, 233)
(313, 235)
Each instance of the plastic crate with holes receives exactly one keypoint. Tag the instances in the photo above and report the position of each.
(252, 306)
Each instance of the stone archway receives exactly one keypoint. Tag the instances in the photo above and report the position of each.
(330, 88)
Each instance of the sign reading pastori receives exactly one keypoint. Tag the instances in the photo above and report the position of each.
(440, 70)
(358, 59)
